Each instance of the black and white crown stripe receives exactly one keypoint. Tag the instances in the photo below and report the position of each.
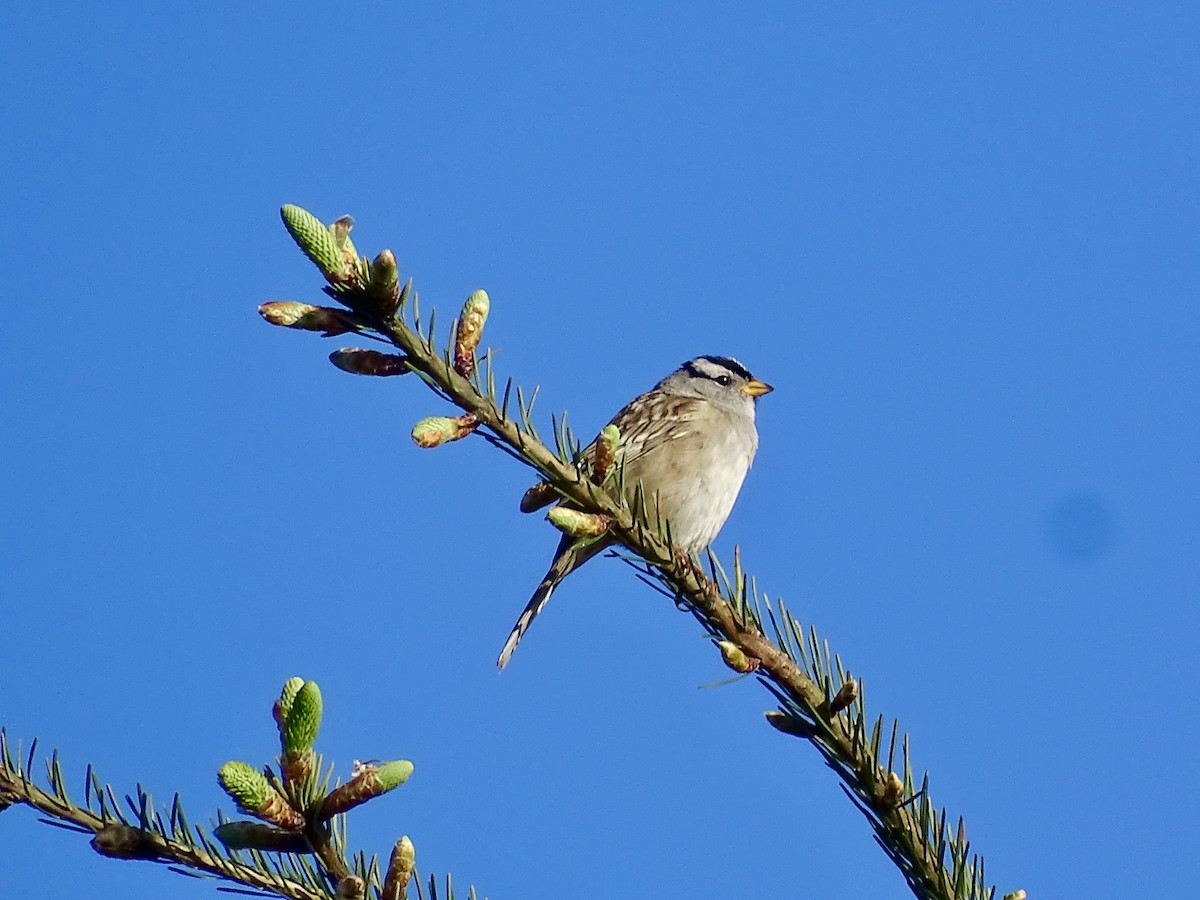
(726, 363)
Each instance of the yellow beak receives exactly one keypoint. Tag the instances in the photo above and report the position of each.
(756, 388)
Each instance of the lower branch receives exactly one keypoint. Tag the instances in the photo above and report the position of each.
(117, 838)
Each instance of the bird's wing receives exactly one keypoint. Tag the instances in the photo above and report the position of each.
(634, 442)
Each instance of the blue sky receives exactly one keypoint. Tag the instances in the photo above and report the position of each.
(960, 241)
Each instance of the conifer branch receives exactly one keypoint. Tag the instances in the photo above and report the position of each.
(818, 699)
(300, 855)
(117, 836)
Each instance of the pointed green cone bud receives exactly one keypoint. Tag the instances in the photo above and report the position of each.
(385, 282)
(400, 870)
(253, 794)
(736, 658)
(283, 706)
(470, 329)
(359, 361)
(298, 734)
(256, 836)
(606, 449)
(393, 774)
(406, 852)
(307, 317)
(247, 786)
(576, 523)
(844, 697)
(317, 241)
(438, 430)
(369, 781)
(303, 720)
(384, 271)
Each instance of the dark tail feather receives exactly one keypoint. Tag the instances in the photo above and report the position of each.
(538, 602)
(568, 558)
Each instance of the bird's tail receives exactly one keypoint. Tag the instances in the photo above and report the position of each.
(569, 557)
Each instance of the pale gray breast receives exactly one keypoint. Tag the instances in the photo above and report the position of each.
(695, 468)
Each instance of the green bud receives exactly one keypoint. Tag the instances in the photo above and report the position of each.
(283, 706)
(287, 696)
(606, 449)
(303, 720)
(247, 786)
(385, 282)
(400, 870)
(307, 317)
(317, 241)
(407, 853)
(384, 271)
(437, 430)
(253, 794)
(577, 523)
(736, 658)
(369, 781)
(393, 774)
(359, 361)
(470, 329)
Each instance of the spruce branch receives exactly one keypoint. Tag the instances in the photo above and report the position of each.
(300, 855)
(819, 701)
(145, 835)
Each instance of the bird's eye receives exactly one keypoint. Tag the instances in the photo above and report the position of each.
(724, 380)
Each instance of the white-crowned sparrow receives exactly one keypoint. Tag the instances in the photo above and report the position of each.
(689, 442)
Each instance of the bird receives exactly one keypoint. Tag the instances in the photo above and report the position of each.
(688, 442)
